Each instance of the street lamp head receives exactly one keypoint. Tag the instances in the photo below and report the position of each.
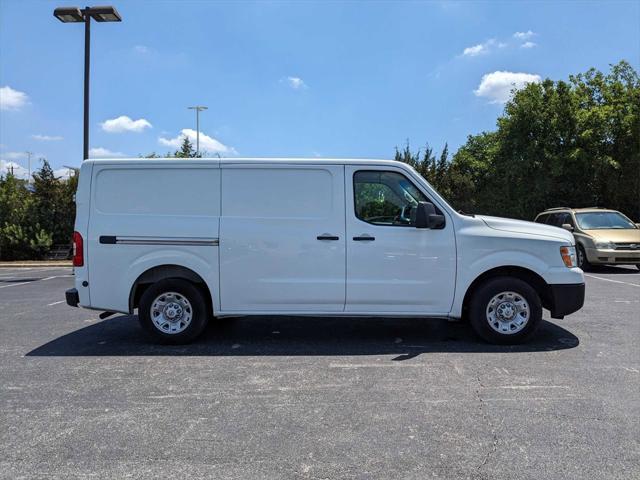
(75, 15)
(68, 14)
(104, 14)
(198, 108)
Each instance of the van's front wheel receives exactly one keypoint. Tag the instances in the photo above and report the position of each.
(505, 311)
(173, 311)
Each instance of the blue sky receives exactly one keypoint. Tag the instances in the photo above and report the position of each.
(333, 79)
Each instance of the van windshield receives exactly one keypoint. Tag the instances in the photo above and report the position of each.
(603, 220)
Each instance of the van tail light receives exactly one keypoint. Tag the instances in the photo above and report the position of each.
(78, 250)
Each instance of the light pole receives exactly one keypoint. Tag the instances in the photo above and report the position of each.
(29, 165)
(198, 109)
(77, 15)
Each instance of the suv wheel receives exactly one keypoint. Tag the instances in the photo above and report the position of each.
(583, 263)
(173, 311)
(505, 310)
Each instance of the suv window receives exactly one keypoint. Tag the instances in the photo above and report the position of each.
(559, 219)
(567, 218)
(553, 219)
(542, 218)
(556, 219)
(385, 198)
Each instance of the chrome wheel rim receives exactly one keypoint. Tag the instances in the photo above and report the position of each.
(171, 313)
(508, 313)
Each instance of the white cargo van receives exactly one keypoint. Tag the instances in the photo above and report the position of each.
(184, 240)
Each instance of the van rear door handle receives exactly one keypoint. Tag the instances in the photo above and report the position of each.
(327, 237)
(364, 238)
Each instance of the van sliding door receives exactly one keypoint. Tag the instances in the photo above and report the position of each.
(282, 238)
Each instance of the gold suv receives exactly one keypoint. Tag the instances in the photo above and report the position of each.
(603, 237)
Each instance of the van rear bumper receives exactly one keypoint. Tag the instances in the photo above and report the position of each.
(566, 298)
(72, 297)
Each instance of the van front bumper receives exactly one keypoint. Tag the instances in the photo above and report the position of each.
(565, 299)
(72, 297)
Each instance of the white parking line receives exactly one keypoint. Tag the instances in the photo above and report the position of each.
(610, 280)
(55, 303)
(36, 280)
(17, 284)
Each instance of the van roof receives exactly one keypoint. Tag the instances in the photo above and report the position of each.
(234, 160)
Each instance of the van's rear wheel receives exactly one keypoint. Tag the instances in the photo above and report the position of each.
(173, 311)
(505, 310)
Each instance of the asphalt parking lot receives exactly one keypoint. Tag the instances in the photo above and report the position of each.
(317, 398)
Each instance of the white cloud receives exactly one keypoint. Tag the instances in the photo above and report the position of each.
(124, 124)
(100, 152)
(207, 143)
(528, 45)
(524, 35)
(296, 83)
(497, 86)
(141, 49)
(18, 170)
(47, 138)
(482, 48)
(63, 173)
(23, 172)
(14, 155)
(476, 50)
(11, 99)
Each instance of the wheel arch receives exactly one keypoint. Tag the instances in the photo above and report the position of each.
(532, 278)
(162, 272)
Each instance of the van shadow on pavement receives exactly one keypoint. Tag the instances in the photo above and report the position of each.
(266, 336)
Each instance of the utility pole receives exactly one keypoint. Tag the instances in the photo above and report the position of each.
(29, 166)
(198, 109)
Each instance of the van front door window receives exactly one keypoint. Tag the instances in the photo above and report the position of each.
(385, 198)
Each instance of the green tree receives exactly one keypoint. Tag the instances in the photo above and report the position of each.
(563, 143)
(66, 210)
(186, 150)
(15, 202)
(46, 192)
(34, 217)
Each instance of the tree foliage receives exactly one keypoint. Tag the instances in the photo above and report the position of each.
(186, 150)
(574, 143)
(34, 217)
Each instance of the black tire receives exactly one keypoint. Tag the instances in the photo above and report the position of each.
(583, 263)
(191, 293)
(480, 302)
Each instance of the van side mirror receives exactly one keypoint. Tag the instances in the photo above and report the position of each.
(426, 217)
(567, 226)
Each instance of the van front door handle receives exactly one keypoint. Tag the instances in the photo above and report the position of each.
(364, 238)
(327, 237)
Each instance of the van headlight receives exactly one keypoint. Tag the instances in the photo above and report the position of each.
(605, 245)
(568, 255)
